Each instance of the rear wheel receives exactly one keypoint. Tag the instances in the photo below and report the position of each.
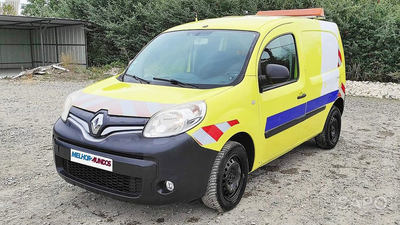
(228, 178)
(330, 135)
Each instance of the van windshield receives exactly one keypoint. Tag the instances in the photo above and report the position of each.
(198, 58)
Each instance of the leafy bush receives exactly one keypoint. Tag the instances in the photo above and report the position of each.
(370, 29)
(371, 37)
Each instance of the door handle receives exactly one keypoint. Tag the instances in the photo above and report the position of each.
(302, 96)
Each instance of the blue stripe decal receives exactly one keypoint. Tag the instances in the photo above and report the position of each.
(299, 111)
(285, 116)
(321, 101)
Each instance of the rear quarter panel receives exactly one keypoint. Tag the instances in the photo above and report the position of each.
(322, 50)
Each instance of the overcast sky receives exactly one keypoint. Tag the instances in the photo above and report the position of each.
(21, 1)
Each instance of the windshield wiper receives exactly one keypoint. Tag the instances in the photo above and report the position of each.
(141, 80)
(176, 82)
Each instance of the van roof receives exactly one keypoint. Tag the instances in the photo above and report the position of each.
(252, 23)
(249, 23)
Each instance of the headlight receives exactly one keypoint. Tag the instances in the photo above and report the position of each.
(68, 104)
(175, 120)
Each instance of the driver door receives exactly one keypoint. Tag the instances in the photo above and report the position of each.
(282, 104)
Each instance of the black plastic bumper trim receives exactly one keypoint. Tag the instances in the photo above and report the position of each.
(179, 159)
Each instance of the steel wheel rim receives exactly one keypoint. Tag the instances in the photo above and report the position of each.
(232, 179)
(334, 129)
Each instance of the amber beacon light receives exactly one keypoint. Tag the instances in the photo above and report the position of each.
(314, 12)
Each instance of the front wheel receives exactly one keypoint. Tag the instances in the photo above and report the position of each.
(330, 135)
(228, 178)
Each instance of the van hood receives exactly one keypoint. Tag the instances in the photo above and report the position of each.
(138, 100)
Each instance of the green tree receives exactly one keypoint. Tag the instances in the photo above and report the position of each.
(47, 8)
(370, 29)
(7, 9)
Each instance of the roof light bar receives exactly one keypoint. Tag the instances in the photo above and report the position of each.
(313, 12)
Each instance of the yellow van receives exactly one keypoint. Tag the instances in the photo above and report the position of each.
(202, 106)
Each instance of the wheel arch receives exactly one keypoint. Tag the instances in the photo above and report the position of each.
(247, 142)
(340, 104)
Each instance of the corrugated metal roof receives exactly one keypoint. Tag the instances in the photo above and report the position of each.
(25, 22)
(34, 41)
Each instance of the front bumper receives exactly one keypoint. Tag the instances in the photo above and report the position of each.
(140, 165)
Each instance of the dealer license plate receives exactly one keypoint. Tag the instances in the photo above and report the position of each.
(92, 160)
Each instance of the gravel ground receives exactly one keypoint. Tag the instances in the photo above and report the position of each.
(373, 89)
(358, 182)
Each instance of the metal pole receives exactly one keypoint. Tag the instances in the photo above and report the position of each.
(0, 58)
(86, 45)
(56, 37)
(41, 43)
(41, 38)
(31, 41)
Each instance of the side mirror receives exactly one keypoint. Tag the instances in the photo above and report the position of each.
(277, 73)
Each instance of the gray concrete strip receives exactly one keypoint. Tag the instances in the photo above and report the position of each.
(9, 72)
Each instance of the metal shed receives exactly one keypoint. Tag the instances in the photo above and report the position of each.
(28, 42)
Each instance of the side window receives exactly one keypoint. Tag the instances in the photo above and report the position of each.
(280, 53)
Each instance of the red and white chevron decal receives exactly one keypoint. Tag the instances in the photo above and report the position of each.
(210, 134)
(339, 58)
(342, 90)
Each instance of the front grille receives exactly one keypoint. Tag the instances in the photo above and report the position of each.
(131, 186)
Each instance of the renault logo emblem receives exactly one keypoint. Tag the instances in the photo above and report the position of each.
(97, 123)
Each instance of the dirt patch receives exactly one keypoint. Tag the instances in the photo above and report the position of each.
(272, 168)
(290, 171)
(193, 220)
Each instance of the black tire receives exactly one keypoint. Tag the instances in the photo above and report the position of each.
(331, 133)
(228, 178)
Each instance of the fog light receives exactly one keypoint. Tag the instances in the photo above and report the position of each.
(169, 185)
